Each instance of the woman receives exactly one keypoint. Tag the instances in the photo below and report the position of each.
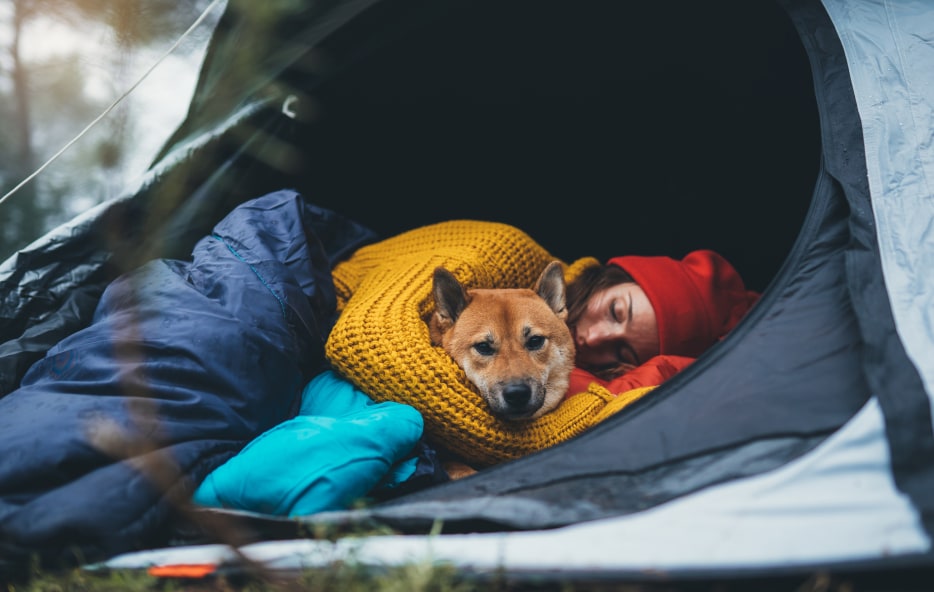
(639, 320)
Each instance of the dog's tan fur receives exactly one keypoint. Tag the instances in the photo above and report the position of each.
(513, 344)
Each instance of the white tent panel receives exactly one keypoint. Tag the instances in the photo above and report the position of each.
(889, 49)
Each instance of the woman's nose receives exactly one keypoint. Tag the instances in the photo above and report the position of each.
(592, 336)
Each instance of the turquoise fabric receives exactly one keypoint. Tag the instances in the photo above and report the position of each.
(340, 447)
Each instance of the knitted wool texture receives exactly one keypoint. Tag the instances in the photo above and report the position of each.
(381, 343)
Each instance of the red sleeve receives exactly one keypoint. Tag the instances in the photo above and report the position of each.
(654, 372)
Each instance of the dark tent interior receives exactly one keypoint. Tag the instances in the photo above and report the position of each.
(600, 128)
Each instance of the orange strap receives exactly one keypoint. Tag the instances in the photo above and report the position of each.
(183, 570)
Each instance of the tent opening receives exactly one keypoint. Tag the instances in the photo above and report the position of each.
(641, 128)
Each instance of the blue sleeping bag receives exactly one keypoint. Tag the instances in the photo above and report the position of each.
(184, 363)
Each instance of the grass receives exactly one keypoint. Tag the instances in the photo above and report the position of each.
(417, 577)
(342, 578)
(337, 578)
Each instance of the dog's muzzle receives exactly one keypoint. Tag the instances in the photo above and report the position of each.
(518, 401)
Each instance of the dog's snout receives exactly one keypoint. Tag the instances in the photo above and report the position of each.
(517, 394)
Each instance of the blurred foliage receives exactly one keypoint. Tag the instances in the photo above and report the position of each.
(46, 101)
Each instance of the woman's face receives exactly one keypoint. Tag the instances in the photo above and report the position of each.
(618, 327)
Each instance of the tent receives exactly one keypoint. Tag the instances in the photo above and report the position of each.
(793, 137)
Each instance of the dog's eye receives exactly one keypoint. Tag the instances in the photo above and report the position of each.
(484, 348)
(535, 343)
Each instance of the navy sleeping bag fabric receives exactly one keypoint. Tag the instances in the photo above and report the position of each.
(185, 362)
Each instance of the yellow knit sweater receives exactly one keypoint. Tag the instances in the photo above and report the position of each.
(380, 341)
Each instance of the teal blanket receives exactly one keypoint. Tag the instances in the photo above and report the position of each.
(340, 447)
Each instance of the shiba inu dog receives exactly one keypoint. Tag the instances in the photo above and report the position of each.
(513, 344)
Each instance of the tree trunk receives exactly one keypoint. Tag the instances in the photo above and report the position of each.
(23, 215)
(21, 91)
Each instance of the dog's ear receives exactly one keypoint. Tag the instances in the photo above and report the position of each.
(450, 301)
(550, 286)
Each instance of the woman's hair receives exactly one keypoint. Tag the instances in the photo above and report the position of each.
(590, 281)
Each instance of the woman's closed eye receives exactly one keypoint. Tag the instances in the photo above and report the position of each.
(627, 353)
(617, 311)
(620, 310)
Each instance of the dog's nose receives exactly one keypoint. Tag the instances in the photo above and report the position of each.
(517, 394)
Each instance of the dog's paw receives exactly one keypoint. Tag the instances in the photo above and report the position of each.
(457, 470)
